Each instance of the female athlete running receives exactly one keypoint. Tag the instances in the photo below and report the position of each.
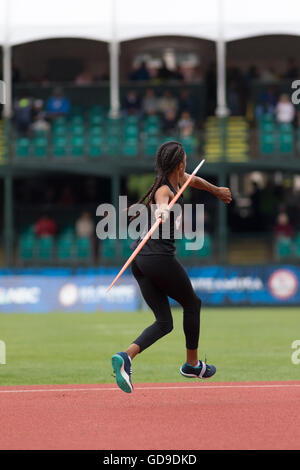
(160, 275)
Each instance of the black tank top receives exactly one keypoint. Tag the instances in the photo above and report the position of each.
(164, 244)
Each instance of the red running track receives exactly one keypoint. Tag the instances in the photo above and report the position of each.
(187, 416)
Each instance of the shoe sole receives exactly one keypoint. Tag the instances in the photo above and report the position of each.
(193, 376)
(122, 378)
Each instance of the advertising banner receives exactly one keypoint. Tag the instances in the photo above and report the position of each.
(86, 291)
(76, 293)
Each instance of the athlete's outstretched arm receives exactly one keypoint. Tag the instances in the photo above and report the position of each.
(223, 194)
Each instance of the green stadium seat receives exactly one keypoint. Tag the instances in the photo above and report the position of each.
(130, 147)
(152, 120)
(60, 131)
(96, 120)
(181, 248)
(108, 248)
(267, 126)
(114, 128)
(84, 248)
(77, 146)
(96, 131)
(22, 147)
(45, 247)
(152, 129)
(77, 129)
(205, 251)
(267, 143)
(95, 146)
(126, 251)
(131, 130)
(76, 120)
(113, 145)
(297, 246)
(188, 144)
(132, 119)
(267, 117)
(286, 142)
(59, 146)
(68, 231)
(59, 121)
(40, 145)
(150, 146)
(40, 133)
(27, 247)
(95, 110)
(283, 247)
(284, 127)
(65, 247)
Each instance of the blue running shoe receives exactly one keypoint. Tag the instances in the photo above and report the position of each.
(121, 363)
(202, 371)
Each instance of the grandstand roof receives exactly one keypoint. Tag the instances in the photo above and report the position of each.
(31, 20)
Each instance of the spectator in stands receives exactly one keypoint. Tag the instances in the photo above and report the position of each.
(186, 103)
(283, 227)
(292, 70)
(39, 117)
(268, 75)
(150, 102)
(168, 103)
(267, 102)
(45, 226)
(285, 111)
(164, 73)
(177, 74)
(169, 121)
(132, 103)
(23, 114)
(85, 226)
(141, 73)
(58, 104)
(185, 124)
(84, 78)
(40, 123)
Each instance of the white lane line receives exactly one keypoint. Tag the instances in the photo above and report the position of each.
(200, 387)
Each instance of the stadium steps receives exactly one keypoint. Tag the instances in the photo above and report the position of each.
(236, 139)
(249, 251)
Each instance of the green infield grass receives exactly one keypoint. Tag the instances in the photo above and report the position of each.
(67, 348)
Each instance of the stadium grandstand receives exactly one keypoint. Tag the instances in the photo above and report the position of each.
(87, 106)
(89, 93)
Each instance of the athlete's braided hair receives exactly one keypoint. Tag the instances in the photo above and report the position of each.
(168, 156)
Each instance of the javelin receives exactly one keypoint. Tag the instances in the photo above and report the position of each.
(155, 225)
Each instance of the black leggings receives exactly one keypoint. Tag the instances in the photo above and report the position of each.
(160, 277)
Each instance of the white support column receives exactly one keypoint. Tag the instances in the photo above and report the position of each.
(7, 64)
(7, 78)
(114, 50)
(222, 110)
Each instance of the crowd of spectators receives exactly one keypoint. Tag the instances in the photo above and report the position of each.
(279, 106)
(33, 114)
(177, 113)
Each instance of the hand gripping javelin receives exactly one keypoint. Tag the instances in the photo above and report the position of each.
(155, 225)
